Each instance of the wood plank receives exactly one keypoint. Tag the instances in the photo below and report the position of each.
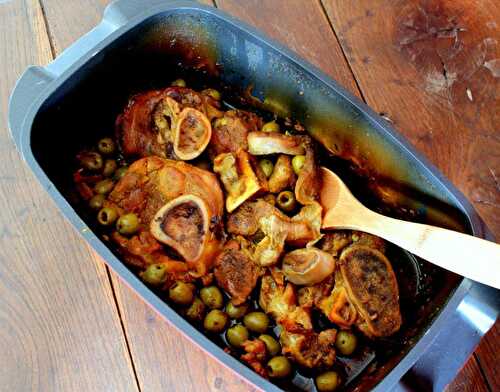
(470, 379)
(487, 356)
(163, 358)
(304, 29)
(433, 67)
(59, 329)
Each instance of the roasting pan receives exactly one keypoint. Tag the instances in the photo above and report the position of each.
(141, 44)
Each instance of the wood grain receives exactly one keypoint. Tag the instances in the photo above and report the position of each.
(487, 356)
(432, 68)
(469, 379)
(59, 329)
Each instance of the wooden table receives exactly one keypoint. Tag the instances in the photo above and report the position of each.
(67, 323)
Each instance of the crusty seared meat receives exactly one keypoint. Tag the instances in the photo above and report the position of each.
(372, 287)
(336, 241)
(145, 126)
(310, 349)
(236, 273)
(152, 182)
(229, 133)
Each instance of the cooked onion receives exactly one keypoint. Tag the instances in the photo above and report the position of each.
(264, 143)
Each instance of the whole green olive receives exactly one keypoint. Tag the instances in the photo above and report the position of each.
(120, 172)
(106, 146)
(327, 382)
(179, 83)
(96, 202)
(91, 161)
(212, 297)
(196, 310)
(298, 163)
(155, 274)
(279, 367)
(212, 93)
(181, 293)
(256, 321)
(107, 216)
(236, 335)
(215, 321)
(271, 126)
(104, 187)
(110, 166)
(272, 345)
(267, 167)
(346, 342)
(236, 312)
(127, 224)
(286, 201)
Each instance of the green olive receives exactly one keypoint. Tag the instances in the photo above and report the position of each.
(272, 345)
(212, 297)
(256, 321)
(107, 216)
(96, 202)
(105, 186)
(271, 126)
(267, 167)
(181, 293)
(215, 321)
(91, 161)
(298, 163)
(106, 146)
(236, 312)
(212, 93)
(127, 224)
(327, 382)
(155, 274)
(279, 367)
(120, 172)
(109, 167)
(237, 335)
(346, 342)
(179, 83)
(286, 201)
(196, 310)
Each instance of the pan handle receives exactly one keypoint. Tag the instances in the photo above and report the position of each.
(28, 88)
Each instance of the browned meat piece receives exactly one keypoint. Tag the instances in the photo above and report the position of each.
(255, 356)
(230, 132)
(150, 183)
(236, 273)
(311, 296)
(283, 175)
(147, 125)
(308, 183)
(372, 287)
(310, 349)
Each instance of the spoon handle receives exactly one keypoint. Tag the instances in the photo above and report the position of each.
(469, 256)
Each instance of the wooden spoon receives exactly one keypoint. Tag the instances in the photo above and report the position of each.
(463, 254)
